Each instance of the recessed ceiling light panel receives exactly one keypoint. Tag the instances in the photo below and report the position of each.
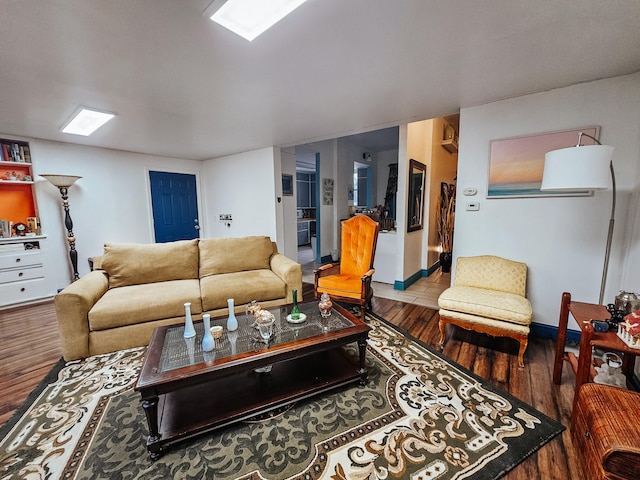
(250, 18)
(85, 121)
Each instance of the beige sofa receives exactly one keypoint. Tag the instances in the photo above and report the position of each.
(135, 288)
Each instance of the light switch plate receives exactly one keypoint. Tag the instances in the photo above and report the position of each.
(473, 206)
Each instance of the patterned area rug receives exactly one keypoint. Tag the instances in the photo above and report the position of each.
(419, 417)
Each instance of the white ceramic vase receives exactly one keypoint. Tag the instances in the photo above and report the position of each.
(232, 321)
(208, 342)
(189, 330)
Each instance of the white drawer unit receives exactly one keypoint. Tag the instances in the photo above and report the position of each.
(25, 259)
(22, 292)
(21, 270)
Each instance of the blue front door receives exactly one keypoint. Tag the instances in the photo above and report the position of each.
(175, 206)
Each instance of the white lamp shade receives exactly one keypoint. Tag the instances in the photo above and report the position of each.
(577, 168)
(61, 180)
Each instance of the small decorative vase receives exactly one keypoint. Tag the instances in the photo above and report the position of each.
(324, 305)
(208, 342)
(232, 322)
(189, 331)
(295, 311)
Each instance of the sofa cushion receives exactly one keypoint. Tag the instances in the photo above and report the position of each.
(261, 285)
(135, 264)
(487, 303)
(491, 272)
(226, 255)
(144, 303)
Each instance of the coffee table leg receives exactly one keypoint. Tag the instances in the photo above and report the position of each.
(362, 349)
(150, 407)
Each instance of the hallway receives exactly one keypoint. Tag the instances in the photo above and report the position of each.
(424, 292)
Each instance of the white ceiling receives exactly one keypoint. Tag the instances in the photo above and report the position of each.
(185, 87)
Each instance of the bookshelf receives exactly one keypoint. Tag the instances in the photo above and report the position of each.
(22, 250)
(17, 195)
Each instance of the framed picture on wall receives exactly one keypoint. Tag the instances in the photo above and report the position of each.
(287, 184)
(516, 164)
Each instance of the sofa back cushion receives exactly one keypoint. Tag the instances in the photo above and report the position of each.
(227, 255)
(137, 263)
(492, 273)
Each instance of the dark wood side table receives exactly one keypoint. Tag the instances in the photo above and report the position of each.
(582, 366)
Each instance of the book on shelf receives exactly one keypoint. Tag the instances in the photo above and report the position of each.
(27, 153)
(14, 152)
(5, 228)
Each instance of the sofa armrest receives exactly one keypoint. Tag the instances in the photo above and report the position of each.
(72, 310)
(290, 272)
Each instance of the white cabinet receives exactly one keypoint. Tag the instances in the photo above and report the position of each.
(303, 232)
(386, 258)
(21, 270)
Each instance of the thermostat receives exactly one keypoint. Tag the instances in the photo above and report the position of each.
(470, 191)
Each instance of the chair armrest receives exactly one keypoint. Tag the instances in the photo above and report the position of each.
(290, 272)
(328, 269)
(324, 271)
(368, 274)
(72, 311)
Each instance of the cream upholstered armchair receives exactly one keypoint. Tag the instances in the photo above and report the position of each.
(488, 296)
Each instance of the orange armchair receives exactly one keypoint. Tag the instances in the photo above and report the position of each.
(350, 280)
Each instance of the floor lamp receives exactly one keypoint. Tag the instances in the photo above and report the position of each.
(583, 167)
(63, 182)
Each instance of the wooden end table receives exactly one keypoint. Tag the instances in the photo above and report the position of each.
(583, 366)
(187, 392)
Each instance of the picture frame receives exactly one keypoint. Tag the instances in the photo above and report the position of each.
(287, 185)
(516, 164)
(327, 191)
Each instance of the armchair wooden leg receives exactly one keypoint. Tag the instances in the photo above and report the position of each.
(442, 325)
(523, 347)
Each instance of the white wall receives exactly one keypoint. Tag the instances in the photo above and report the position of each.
(327, 151)
(418, 147)
(289, 207)
(562, 239)
(111, 203)
(244, 186)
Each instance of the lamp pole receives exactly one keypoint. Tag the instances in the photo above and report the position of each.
(607, 251)
(68, 223)
(579, 168)
(63, 182)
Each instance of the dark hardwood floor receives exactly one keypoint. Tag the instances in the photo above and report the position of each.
(30, 347)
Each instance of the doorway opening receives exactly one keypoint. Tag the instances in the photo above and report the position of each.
(307, 164)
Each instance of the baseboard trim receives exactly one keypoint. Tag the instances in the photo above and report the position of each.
(548, 331)
(432, 269)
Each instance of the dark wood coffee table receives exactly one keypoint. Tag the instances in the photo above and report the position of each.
(187, 392)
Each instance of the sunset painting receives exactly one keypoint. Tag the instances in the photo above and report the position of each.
(516, 164)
